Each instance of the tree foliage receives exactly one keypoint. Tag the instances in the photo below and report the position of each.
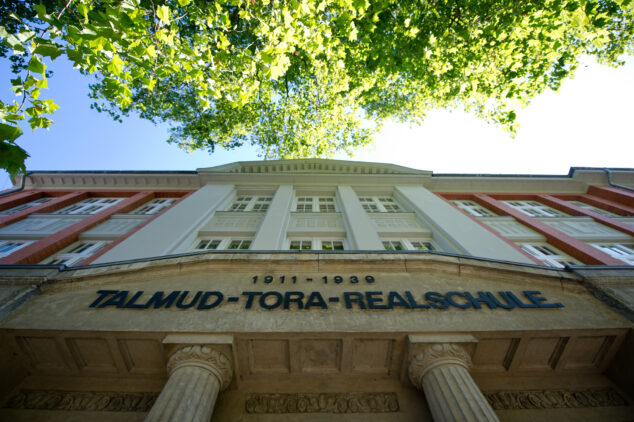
(300, 78)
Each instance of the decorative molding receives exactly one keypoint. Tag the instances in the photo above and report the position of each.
(554, 399)
(322, 403)
(82, 401)
(203, 357)
(435, 355)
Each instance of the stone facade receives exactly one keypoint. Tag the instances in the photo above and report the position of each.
(315, 289)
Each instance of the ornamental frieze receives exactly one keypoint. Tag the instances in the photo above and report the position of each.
(80, 400)
(553, 399)
(322, 403)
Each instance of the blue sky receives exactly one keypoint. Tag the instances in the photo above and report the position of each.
(587, 123)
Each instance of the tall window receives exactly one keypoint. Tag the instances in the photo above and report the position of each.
(315, 204)
(379, 204)
(623, 252)
(154, 206)
(473, 208)
(548, 254)
(251, 203)
(75, 253)
(534, 209)
(593, 208)
(25, 206)
(89, 206)
(7, 247)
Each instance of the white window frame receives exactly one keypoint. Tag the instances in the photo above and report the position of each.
(315, 204)
(30, 204)
(621, 251)
(407, 244)
(317, 243)
(378, 204)
(89, 206)
(7, 247)
(76, 252)
(154, 206)
(473, 208)
(593, 208)
(221, 243)
(535, 209)
(251, 203)
(548, 254)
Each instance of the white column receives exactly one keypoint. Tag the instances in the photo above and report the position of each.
(442, 372)
(197, 374)
(270, 235)
(458, 230)
(362, 233)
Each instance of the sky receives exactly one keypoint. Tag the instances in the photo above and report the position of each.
(587, 123)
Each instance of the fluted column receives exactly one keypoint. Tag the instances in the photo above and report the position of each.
(197, 374)
(442, 372)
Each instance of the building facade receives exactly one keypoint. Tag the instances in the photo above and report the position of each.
(312, 290)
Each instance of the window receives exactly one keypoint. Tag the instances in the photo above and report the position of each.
(593, 208)
(221, 244)
(534, 209)
(331, 245)
(623, 252)
(7, 247)
(548, 254)
(208, 244)
(154, 206)
(473, 208)
(315, 204)
(89, 206)
(251, 203)
(75, 253)
(239, 244)
(25, 206)
(379, 204)
(316, 244)
(406, 244)
(301, 245)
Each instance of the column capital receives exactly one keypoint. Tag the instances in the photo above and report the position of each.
(205, 357)
(434, 355)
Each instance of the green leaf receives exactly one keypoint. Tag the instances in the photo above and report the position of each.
(116, 65)
(41, 11)
(12, 157)
(48, 50)
(184, 3)
(9, 133)
(36, 65)
(163, 13)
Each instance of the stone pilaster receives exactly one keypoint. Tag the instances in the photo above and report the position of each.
(197, 374)
(442, 372)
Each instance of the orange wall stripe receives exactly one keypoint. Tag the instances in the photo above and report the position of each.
(573, 209)
(18, 198)
(605, 204)
(47, 207)
(621, 196)
(35, 252)
(568, 244)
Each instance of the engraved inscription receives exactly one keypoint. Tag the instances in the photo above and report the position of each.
(322, 403)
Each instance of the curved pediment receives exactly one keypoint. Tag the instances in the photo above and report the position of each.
(312, 165)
